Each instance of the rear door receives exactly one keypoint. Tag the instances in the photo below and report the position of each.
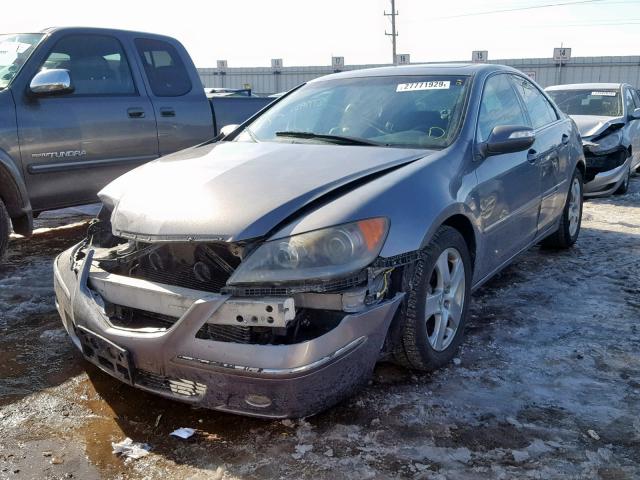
(72, 145)
(508, 184)
(550, 153)
(182, 108)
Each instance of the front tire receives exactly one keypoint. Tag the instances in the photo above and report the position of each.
(5, 229)
(571, 220)
(624, 186)
(434, 312)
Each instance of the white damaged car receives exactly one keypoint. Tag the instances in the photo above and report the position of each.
(608, 117)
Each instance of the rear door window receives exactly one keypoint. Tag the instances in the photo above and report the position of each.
(540, 110)
(165, 70)
(97, 64)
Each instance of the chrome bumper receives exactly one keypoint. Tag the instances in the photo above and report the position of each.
(274, 381)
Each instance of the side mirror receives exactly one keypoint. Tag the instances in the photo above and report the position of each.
(51, 82)
(635, 114)
(228, 130)
(508, 139)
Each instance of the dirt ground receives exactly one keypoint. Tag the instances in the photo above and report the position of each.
(546, 386)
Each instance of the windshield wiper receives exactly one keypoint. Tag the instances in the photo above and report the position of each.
(335, 138)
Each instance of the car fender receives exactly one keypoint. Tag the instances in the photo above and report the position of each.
(447, 216)
(13, 192)
(416, 198)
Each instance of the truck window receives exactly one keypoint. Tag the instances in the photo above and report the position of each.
(165, 70)
(96, 63)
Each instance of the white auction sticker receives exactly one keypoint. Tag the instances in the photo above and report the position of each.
(604, 94)
(434, 85)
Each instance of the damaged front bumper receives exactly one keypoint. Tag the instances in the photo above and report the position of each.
(605, 172)
(264, 380)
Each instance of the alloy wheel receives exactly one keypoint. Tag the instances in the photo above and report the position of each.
(445, 300)
(575, 206)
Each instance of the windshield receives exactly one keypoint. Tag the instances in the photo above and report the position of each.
(588, 102)
(399, 111)
(15, 49)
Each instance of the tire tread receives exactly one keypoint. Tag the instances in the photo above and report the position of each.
(406, 351)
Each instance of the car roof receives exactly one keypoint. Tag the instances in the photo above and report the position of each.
(586, 86)
(103, 31)
(422, 69)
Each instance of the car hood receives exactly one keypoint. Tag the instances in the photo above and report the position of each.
(590, 125)
(233, 191)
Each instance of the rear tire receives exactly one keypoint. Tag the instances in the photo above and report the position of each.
(624, 186)
(5, 229)
(571, 220)
(434, 311)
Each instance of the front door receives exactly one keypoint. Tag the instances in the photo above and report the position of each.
(72, 145)
(508, 190)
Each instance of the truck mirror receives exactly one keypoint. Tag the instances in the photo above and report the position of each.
(51, 82)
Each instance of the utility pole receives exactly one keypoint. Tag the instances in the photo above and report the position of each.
(393, 33)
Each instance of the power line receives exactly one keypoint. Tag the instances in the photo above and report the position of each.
(599, 23)
(393, 34)
(518, 9)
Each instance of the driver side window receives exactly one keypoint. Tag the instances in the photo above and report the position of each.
(499, 106)
(96, 63)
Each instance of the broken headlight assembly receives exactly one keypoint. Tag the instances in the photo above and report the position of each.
(319, 255)
(605, 144)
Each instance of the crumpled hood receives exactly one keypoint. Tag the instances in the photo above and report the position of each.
(590, 125)
(235, 191)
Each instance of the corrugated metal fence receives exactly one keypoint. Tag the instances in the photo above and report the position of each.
(265, 80)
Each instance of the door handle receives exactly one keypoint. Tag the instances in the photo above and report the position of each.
(565, 138)
(135, 113)
(167, 112)
(532, 156)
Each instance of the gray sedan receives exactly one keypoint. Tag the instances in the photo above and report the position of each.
(266, 273)
(608, 117)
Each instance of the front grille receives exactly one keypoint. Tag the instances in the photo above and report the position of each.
(177, 386)
(181, 276)
(320, 287)
(205, 267)
(126, 317)
(225, 333)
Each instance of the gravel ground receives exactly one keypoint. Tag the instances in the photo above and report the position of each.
(546, 386)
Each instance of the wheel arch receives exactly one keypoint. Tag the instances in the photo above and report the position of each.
(13, 193)
(460, 218)
(464, 226)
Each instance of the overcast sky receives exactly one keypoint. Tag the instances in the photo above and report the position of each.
(309, 32)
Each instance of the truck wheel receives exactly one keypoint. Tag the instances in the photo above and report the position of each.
(433, 314)
(569, 228)
(624, 186)
(5, 229)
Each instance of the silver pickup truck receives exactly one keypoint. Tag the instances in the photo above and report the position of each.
(81, 106)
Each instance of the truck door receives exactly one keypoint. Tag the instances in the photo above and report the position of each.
(182, 109)
(72, 145)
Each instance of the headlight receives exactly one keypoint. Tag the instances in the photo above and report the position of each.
(320, 254)
(605, 144)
